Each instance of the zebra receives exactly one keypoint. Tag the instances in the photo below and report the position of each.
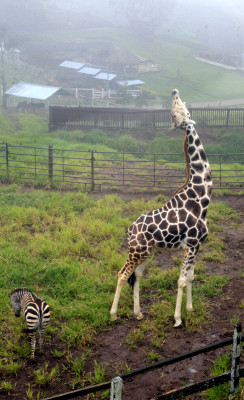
(36, 313)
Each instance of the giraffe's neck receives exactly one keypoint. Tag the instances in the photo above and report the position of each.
(197, 166)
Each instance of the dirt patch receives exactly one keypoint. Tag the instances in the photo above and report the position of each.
(111, 347)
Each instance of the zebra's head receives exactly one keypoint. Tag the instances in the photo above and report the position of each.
(15, 300)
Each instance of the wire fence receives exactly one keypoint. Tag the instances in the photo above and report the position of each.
(92, 170)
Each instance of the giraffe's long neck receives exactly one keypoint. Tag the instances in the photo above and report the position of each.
(197, 166)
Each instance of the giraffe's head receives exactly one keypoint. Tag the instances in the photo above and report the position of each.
(180, 116)
(175, 93)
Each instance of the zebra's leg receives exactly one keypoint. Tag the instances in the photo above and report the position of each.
(32, 337)
(41, 339)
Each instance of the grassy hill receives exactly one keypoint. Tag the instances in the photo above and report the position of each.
(197, 81)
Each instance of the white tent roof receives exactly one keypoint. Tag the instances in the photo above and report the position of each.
(72, 64)
(89, 70)
(32, 91)
(105, 76)
(131, 82)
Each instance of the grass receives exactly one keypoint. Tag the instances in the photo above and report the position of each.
(44, 377)
(221, 365)
(67, 247)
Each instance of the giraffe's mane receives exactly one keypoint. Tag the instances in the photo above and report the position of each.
(187, 167)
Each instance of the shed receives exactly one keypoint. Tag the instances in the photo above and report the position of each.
(32, 91)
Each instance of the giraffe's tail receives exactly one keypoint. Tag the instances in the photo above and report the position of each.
(132, 279)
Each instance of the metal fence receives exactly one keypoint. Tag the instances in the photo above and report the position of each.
(96, 170)
(127, 118)
(233, 375)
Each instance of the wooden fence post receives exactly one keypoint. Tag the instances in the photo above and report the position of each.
(235, 365)
(50, 162)
(116, 388)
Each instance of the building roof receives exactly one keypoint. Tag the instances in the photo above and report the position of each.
(130, 82)
(89, 70)
(106, 76)
(72, 64)
(23, 89)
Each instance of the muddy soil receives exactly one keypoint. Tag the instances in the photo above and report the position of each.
(110, 347)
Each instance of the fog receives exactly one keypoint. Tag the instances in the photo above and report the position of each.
(217, 23)
(47, 31)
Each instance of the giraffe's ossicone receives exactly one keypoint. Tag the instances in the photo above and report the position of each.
(180, 223)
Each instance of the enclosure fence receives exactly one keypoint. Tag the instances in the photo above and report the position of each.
(128, 118)
(92, 170)
(233, 375)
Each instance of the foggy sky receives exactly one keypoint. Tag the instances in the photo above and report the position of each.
(218, 23)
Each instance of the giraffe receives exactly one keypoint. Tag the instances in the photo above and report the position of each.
(181, 223)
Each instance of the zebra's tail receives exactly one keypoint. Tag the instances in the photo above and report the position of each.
(30, 330)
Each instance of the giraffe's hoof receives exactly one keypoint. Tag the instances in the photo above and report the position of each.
(113, 317)
(189, 308)
(178, 324)
(139, 316)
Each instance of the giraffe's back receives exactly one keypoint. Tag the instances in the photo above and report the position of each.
(182, 221)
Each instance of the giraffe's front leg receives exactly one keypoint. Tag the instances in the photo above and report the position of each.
(186, 278)
(190, 277)
(138, 273)
(177, 315)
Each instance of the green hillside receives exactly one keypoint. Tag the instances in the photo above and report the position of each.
(197, 81)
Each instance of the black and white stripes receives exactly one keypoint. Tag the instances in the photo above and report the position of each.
(36, 313)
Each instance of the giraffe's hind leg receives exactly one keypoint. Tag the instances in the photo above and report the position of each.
(130, 266)
(122, 279)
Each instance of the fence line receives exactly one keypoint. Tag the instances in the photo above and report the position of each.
(128, 118)
(92, 169)
(176, 394)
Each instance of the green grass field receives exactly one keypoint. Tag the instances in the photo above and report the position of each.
(67, 247)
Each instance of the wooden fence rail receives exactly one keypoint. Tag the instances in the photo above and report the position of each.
(116, 384)
(127, 118)
(97, 170)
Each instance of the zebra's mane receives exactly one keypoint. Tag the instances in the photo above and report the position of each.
(21, 291)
